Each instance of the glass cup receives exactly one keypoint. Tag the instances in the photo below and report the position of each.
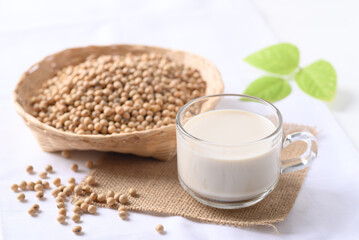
(235, 176)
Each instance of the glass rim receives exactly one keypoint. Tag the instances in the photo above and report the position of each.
(276, 110)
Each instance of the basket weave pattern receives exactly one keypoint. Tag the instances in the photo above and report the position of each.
(158, 143)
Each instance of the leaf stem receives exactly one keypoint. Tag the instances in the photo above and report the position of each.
(290, 76)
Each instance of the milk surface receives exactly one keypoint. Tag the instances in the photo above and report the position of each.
(229, 126)
(223, 167)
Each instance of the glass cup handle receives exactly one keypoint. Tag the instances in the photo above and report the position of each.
(307, 157)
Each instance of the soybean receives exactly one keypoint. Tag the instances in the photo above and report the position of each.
(123, 214)
(48, 168)
(92, 209)
(123, 199)
(74, 167)
(43, 174)
(65, 154)
(132, 192)
(57, 182)
(77, 229)
(76, 218)
(38, 187)
(21, 197)
(40, 195)
(89, 164)
(159, 228)
(30, 169)
(61, 218)
(15, 187)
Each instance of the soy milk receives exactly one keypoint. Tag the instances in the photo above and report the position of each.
(223, 164)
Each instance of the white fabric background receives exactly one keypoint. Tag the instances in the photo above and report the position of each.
(223, 31)
(323, 29)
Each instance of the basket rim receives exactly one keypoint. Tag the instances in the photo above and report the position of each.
(31, 120)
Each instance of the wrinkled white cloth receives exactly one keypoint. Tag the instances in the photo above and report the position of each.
(223, 31)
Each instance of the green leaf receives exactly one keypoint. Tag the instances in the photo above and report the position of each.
(281, 58)
(319, 80)
(269, 88)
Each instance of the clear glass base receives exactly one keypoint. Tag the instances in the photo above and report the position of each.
(227, 205)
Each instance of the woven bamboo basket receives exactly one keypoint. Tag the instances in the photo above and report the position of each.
(158, 143)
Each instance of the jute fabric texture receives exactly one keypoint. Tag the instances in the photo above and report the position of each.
(159, 191)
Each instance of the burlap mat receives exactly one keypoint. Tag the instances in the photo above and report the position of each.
(159, 191)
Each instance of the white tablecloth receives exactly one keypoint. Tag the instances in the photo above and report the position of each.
(223, 31)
